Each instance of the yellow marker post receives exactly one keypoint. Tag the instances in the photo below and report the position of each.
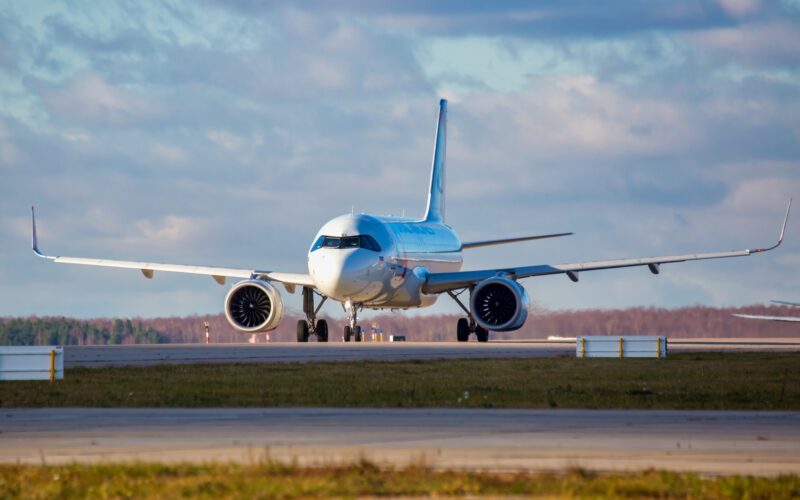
(583, 347)
(620, 347)
(52, 365)
(658, 347)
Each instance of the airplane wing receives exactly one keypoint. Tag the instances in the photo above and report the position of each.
(443, 282)
(148, 268)
(769, 318)
(486, 243)
(785, 303)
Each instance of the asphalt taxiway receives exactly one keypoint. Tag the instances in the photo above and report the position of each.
(119, 355)
(708, 442)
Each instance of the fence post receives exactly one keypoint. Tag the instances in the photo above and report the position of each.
(52, 366)
(658, 347)
(620, 347)
(583, 347)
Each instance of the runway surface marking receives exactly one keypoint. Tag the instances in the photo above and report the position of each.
(710, 442)
(287, 352)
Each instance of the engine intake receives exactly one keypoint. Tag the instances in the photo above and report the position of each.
(499, 304)
(253, 306)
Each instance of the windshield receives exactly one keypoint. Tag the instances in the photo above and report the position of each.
(362, 241)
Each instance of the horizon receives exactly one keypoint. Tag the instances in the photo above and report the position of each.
(372, 315)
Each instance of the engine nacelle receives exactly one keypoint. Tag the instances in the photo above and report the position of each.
(499, 304)
(253, 306)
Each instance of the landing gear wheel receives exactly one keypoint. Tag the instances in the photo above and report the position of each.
(302, 330)
(482, 334)
(322, 331)
(359, 336)
(462, 330)
(347, 333)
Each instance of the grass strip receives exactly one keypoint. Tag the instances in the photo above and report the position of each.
(274, 480)
(746, 381)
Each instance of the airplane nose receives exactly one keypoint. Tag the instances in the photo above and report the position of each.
(340, 273)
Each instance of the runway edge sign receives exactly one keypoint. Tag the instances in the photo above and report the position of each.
(32, 363)
(624, 346)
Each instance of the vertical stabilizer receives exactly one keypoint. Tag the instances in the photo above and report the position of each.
(435, 210)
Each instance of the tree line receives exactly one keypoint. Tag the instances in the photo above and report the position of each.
(685, 322)
(68, 331)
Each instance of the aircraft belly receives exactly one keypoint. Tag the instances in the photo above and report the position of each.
(404, 287)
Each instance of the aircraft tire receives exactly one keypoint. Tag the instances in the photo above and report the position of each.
(302, 330)
(359, 337)
(347, 333)
(322, 331)
(462, 330)
(482, 334)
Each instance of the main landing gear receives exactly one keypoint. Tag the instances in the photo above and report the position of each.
(467, 326)
(352, 330)
(311, 325)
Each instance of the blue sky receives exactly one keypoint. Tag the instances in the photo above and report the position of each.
(226, 133)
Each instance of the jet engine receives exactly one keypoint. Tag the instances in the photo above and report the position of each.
(253, 306)
(499, 304)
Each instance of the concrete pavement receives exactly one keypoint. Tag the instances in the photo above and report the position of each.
(709, 442)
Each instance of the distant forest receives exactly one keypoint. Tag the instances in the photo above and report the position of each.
(67, 331)
(687, 322)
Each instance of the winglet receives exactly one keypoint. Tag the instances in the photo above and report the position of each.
(34, 238)
(783, 230)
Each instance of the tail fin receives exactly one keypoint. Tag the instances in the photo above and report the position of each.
(435, 210)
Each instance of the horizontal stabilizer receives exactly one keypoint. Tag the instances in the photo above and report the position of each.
(487, 243)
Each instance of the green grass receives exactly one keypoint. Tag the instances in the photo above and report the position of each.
(271, 480)
(762, 381)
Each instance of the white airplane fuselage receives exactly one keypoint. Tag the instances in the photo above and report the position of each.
(389, 275)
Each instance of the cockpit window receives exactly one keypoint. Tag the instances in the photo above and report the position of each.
(368, 242)
(331, 242)
(351, 242)
(362, 241)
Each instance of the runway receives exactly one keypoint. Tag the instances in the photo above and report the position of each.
(708, 442)
(119, 355)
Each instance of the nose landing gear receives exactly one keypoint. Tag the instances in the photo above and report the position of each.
(310, 325)
(352, 330)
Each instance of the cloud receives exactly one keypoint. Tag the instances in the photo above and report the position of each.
(740, 8)
(9, 155)
(165, 153)
(89, 99)
(763, 44)
(227, 133)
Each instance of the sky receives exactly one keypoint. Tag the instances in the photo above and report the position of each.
(226, 133)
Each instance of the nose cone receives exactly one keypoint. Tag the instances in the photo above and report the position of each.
(342, 273)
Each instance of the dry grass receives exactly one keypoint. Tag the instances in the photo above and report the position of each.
(272, 480)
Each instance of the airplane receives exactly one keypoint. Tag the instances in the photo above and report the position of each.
(790, 319)
(375, 262)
